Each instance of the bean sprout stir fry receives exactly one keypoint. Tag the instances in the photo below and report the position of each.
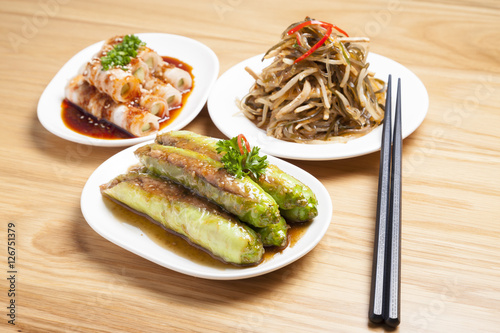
(318, 87)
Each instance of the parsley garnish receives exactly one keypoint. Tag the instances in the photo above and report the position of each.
(239, 160)
(121, 53)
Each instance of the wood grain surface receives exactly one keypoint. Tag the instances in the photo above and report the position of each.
(70, 279)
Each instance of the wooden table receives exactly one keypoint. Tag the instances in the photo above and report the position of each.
(70, 279)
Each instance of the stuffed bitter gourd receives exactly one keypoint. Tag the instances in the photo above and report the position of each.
(296, 200)
(196, 219)
(208, 178)
(274, 234)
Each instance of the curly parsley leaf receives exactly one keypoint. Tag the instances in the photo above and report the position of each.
(122, 53)
(238, 164)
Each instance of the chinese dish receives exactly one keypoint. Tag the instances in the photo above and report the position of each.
(318, 87)
(187, 183)
(129, 85)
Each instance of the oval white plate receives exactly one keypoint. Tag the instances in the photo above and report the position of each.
(202, 59)
(102, 220)
(235, 83)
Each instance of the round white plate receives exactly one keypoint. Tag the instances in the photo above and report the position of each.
(236, 82)
(131, 238)
(202, 59)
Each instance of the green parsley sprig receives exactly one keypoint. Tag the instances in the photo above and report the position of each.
(122, 53)
(239, 160)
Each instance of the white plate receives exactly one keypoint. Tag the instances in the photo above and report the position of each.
(236, 82)
(202, 59)
(131, 238)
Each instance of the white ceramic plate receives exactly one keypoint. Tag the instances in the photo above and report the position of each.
(131, 238)
(202, 59)
(236, 82)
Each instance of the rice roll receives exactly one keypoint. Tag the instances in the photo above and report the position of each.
(165, 91)
(137, 121)
(119, 84)
(150, 57)
(177, 77)
(140, 69)
(154, 104)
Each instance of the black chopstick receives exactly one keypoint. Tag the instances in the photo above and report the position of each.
(378, 270)
(385, 294)
(392, 315)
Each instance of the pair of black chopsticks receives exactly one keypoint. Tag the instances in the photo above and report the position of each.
(385, 300)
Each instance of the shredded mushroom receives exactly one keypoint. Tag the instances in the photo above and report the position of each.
(327, 94)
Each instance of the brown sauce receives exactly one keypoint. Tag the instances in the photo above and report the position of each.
(181, 247)
(296, 231)
(84, 123)
(78, 120)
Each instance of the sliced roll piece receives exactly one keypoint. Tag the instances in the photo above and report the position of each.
(119, 84)
(177, 77)
(140, 70)
(296, 200)
(165, 91)
(208, 178)
(136, 121)
(197, 220)
(168, 73)
(154, 104)
(150, 57)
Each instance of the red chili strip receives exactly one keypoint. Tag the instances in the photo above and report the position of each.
(298, 39)
(310, 22)
(240, 145)
(317, 45)
(327, 35)
(303, 24)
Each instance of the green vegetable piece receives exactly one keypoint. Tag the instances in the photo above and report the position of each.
(275, 234)
(192, 141)
(122, 52)
(199, 221)
(300, 214)
(296, 200)
(208, 178)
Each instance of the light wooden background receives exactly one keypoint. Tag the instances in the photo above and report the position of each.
(70, 279)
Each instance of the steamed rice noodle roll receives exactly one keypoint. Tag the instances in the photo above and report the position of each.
(136, 121)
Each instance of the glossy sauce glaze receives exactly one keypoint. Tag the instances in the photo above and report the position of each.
(183, 248)
(76, 119)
